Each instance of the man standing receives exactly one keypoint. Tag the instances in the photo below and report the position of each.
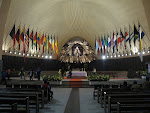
(8, 73)
(38, 73)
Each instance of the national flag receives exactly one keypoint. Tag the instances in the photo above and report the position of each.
(27, 38)
(116, 41)
(41, 40)
(35, 40)
(48, 44)
(22, 34)
(100, 43)
(17, 37)
(140, 44)
(126, 36)
(12, 34)
(56, 48)
(106, 41)
(45, 39)
(53, 42)
(31, 37)
(38, 40)
(24, 41)
(136, 35)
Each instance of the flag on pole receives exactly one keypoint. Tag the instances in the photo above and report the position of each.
(35, 40)
(53, 42)
(38, 40)
(48, 44)
(56, 47)
(140, 44)
(136, 35)
(17, 37)
(27, 38)
(22, 34)
(12, 34)
(126, 36)
(24, 48)
(45, 43)
(31, 37)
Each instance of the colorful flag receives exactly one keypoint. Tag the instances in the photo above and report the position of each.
(12, 34)
(53, 42)
(140, 44)
(100, 43)
(35, 40)
(56, 48)
(136, 35)
(126, 36)
(45, 43)
(48, 44)
(17, 37)
(41, 40)
(22, 34)
(27, 38)
(31, 37)
(38, 40)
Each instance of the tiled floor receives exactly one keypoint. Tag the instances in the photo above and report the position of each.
(61, 96)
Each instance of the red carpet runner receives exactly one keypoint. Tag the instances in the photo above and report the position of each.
(75, 83)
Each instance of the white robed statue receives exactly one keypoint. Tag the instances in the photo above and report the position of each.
(77, 52)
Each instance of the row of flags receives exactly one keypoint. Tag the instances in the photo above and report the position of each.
(119, 41)
(40, 42)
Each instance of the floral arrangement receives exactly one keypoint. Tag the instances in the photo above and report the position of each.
(98, 77)
(52, 77)
(143, 73)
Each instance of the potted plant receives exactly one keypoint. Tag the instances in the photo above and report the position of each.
(143, 74)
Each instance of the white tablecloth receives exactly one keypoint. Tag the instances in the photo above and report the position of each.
(77, 73)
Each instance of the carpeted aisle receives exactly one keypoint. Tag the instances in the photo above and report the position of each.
(73, 104)
(75, 83)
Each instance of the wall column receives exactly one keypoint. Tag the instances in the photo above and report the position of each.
(4, 8)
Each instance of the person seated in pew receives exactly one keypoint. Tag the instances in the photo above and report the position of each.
(135, 86)
(45, 87)
(146, 85)
(125, 86)
(50, 92)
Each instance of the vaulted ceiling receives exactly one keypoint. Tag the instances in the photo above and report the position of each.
(72, 18)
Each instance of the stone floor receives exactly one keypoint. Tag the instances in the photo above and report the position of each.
(61, 96)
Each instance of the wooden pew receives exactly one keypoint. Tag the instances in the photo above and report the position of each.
(123, 108)
(19, 101)
(127, 98)
(33, 98)
(40, 93)
(96, 87)
(8, 108)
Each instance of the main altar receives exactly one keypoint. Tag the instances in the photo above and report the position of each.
(77, 74)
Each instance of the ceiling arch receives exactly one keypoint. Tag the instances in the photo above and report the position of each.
(70, 18)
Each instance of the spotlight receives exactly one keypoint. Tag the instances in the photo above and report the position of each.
(122, 55)
(118, 55)
(126, 54)
(38, 55)
(19, 53)
(15, 52)
(103, 57)
(111, 56)
(148, 52)
(143, 52)
(35, 55)
(50, 57)
(42, 56)
(5, 51)
(10, 52)
(115, 56)
(27, 54)
(130, 54)
(107, 56)
(138, 53)
(46, 56)
(31, 55)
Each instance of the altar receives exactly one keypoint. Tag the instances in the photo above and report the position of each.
(77, 74)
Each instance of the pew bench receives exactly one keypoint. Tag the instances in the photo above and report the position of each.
(22, 103)
(136, 108)
(7, 108)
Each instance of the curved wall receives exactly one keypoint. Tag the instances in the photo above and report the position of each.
(123, 64)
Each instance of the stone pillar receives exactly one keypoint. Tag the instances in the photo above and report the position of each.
(5, 4)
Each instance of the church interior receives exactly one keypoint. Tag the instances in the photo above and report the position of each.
(74, 56)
